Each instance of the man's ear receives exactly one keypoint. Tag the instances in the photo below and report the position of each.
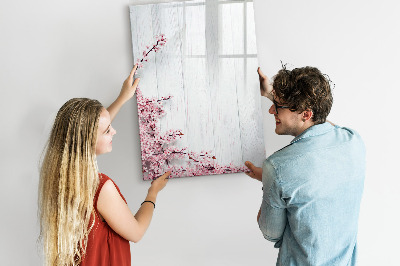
(306, 115)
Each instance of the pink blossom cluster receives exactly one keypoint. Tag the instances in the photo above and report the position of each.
(161, 40)
(156, 147)
(157, 155)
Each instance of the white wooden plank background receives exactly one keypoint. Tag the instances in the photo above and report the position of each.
(216, 101)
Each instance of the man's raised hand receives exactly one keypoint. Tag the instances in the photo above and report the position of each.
(265, 87)
(255, 172)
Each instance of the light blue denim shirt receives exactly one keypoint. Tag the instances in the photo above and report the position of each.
(311, 197)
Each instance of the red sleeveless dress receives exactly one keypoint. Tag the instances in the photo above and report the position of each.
(105, 247)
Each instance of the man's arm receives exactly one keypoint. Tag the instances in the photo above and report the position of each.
(272, 217)
(127, 91)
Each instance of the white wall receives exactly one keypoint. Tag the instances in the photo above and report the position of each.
(51, 51)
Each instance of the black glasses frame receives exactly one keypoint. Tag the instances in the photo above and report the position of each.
(279, 106)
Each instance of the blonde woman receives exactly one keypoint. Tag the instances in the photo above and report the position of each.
(84, 219)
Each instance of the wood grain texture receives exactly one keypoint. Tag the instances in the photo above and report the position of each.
(206, 68)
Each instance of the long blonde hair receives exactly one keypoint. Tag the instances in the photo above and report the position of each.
(68, 182)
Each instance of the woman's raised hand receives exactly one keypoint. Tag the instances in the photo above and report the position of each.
(158, 184)
(127, 92)
(129, 87)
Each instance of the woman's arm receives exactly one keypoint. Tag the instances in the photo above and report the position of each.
(127, 92)
(119, 217)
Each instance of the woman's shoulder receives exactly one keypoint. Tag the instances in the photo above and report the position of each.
(103, 178)
(109, 183)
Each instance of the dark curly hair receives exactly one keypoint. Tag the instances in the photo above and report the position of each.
(304, 88)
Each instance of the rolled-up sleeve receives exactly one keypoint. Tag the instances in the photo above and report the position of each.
(273, 218)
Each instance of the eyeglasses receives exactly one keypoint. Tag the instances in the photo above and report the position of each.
(278, 106)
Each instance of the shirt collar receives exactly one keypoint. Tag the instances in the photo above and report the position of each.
(314, 131)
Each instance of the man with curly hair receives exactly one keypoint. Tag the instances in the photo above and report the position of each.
(312, 187)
